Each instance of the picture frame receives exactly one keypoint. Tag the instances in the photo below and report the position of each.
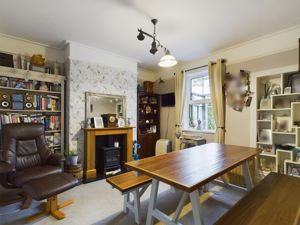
(265, 103)
(265, 136)
(287, 90)
(283, 124)
(294, 83)
(121, 122)
(98, 122)
(292, 168)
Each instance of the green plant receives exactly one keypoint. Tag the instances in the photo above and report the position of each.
(72, 153)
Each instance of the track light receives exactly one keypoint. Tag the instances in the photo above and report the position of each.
(141, 36)
(167, 60)
(153, 49)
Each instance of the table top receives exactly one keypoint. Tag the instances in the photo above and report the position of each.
(274, 201)
(191, 168)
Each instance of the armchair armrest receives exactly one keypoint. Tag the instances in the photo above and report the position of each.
(6, 168)
(55, 159)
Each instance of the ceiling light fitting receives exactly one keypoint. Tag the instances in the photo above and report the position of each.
(167, 60)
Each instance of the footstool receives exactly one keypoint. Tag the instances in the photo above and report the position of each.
(48, 188)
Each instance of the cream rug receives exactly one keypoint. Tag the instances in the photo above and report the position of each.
(97, 203)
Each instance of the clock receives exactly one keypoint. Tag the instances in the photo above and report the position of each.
(109, 120)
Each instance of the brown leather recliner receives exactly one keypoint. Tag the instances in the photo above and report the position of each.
(25, 155)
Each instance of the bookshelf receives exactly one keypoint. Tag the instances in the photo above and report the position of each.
(278, 123)
(19, 87)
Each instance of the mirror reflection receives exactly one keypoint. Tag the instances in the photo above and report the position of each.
(105, 110)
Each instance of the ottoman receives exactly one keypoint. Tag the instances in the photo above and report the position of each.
(49, 187)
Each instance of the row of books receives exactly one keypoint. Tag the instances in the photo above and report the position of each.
(31, 85)
(50, 122)
(48, 102)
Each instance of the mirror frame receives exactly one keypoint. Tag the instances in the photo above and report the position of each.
(91, 94)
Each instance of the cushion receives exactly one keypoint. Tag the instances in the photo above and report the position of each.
(27, 154)
(50, 185)
(19, 178)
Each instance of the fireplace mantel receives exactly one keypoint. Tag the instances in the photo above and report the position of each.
(90, 135)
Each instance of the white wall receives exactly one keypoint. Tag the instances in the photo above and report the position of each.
(105, 74)
(16, 45)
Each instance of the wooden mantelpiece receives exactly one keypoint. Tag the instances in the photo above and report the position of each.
(90, 135)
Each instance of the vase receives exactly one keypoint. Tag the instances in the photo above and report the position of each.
(73, 160)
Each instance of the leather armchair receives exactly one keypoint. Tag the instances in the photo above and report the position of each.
(25, 155)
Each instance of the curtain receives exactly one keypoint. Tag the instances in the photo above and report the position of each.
(179, 105)
(216, 73)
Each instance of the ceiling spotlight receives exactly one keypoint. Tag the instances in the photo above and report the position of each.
(141, 36)
(153, 49)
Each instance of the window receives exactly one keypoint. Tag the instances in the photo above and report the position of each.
(198, 108)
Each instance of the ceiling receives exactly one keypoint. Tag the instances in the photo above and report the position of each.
(190, 29)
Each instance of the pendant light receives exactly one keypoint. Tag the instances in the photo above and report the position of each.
(167, 60)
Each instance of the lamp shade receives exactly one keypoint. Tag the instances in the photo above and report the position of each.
(167, 60)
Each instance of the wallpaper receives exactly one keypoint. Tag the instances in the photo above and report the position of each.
(83, 77)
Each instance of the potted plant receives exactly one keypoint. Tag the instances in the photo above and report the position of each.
(72, 157)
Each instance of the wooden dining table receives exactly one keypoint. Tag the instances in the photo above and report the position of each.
(188, 170)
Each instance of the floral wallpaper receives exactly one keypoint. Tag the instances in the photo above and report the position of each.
(83, 77)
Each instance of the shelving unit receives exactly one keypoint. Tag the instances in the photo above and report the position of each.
(148, 130)
(11, 115)
(267, 122)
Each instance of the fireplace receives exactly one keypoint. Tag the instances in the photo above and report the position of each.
(98, 138)
(108, 158)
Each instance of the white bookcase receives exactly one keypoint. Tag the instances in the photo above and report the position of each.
(279, 107)
(32, 76)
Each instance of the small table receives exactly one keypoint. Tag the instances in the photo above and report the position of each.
(188, 170)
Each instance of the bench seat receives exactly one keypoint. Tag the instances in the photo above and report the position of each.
(274, 201)
(129, 183)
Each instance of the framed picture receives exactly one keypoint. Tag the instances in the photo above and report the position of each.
(283, 124)
(287, 90)
(294, 83)
(98, 122)
(121, 122)
(265, 103)
(265, 135)
(292, 168)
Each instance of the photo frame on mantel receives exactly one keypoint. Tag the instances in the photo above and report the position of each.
(98, 122)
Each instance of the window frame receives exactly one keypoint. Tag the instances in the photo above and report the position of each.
(189, 76)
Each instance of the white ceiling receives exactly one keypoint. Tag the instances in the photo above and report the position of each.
(190, 29)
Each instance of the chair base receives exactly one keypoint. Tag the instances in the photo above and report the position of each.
(50, 207)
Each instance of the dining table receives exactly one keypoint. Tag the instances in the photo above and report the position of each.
(188, 170)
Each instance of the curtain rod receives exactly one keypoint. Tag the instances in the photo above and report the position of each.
(199, 67)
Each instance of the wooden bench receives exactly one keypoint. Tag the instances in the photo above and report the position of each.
(128, 183)
(274, 201)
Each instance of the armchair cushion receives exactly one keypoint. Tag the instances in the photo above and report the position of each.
(55, 159)
(6, 168)
(20, 177)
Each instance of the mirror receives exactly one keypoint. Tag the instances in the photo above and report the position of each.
(97, 105)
